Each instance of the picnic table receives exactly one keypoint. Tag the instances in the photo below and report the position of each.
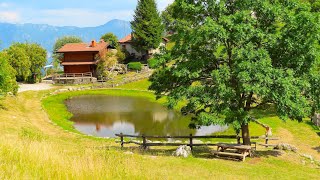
(237, 150)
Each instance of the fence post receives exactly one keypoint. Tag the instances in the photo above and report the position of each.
(121, 139)
(191, 142)
(144, 141)
(267, 138)
(238, 139)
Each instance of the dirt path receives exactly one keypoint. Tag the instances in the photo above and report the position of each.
(34, 87)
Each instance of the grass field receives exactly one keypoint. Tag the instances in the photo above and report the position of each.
(36, 142)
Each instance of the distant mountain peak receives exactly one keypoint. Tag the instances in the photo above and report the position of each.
(45, 34)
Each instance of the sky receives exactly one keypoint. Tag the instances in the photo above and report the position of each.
(81, 13)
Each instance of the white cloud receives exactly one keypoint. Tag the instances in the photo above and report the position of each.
(59, 16)
(77, 17)
(4, 5)
(9, 16)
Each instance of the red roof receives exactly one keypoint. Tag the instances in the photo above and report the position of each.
(83, 47)
(128, 39)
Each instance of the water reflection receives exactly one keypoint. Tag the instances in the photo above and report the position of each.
(104, 116)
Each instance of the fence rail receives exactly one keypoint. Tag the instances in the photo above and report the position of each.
(73, 75)
(191, 143)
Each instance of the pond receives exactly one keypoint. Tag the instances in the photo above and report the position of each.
(104, 116)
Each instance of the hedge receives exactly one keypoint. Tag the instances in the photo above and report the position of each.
(135, 66)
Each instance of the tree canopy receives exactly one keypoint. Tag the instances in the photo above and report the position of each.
(147, 26)
(19, 60)
(60, 42)
(38, 58)
(167, 18)
(231, 57)
(27, 60)
(111, 39)
(7, 76)
(315, 5)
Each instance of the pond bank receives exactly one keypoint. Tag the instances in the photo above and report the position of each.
(31, 147)
(61, 116)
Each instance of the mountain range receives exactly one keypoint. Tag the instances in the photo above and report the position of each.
(46, 35)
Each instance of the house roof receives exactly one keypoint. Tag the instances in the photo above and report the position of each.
(83, 47)
(128, 39)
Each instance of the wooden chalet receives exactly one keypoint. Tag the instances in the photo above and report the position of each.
(82, 57)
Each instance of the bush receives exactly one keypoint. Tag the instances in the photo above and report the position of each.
(135, 66)
(153, 63)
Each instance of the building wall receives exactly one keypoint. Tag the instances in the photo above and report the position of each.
(79, 57)
(77, 69)
(131, 50)
(154, 51)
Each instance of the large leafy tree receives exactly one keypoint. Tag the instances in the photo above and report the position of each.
(315, 5)
(232, 56)
(27, 60)
(111, 39)
(60, 42)
(7, 76)
(167, 18)
(146, 26)
(38, 58)
(19, 60)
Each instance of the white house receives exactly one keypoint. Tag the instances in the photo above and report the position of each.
(126, 44)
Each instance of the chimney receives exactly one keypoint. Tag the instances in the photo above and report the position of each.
(93, 43)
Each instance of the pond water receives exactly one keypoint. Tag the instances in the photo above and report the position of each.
(104, 116)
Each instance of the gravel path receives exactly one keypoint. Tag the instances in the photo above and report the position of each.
(34, 87)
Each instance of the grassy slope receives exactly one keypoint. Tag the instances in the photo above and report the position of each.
(32, 147)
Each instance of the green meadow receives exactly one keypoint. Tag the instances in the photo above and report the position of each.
(37, 141)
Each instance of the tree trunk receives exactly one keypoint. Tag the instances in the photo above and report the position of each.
(245, 134)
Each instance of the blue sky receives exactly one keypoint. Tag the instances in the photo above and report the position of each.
(82, 13)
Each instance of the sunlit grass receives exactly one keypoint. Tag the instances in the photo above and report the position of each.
(32, 147)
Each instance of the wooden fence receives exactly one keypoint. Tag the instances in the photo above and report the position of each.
(73, 75)
(74, 78)
(191, 143)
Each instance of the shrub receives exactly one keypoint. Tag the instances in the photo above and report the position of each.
(152, 63)
(135, 66)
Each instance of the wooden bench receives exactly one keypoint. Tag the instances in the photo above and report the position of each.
(241, 151)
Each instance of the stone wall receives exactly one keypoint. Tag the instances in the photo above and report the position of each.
(82, 80)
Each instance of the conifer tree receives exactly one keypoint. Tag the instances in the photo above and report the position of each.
(146, 26)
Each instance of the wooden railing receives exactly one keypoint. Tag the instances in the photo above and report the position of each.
(73, 75)
(191, 143)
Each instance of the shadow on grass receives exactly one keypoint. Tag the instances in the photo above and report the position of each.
(317, 149)
(268, 153)
(314, 127)
(2, 107)
(263, 111)
(197, 152)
